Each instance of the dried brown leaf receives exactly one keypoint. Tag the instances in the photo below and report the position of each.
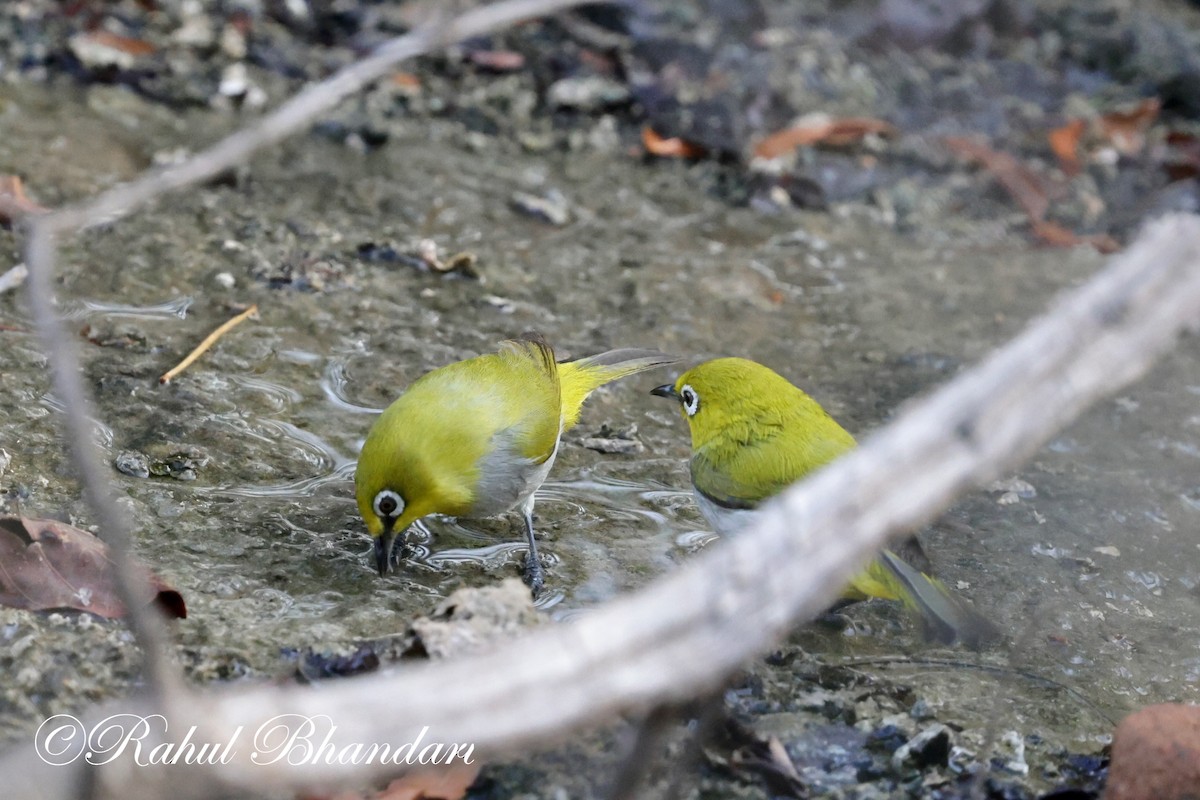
(14, 203)
(497, 60)
(1126, 129)
(1056, 235)
(448, 783)
(1026, 187)
(46, 564)
(1064, 141)
(821, 129)
(669, 148)
(1183, 161)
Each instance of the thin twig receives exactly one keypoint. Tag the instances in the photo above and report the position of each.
(208, 342)
(145, 621)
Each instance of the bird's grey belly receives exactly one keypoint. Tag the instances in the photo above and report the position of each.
(724, 521)
(507, 479)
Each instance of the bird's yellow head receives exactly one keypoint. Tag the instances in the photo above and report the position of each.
(736, 401)
(395, 483)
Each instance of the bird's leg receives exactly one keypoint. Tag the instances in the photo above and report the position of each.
(535, 576)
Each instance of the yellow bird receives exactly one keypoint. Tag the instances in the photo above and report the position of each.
(754, 434)
(478, 437)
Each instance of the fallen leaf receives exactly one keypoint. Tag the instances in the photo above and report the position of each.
(1184, 159)
(448, 783)
(820, 129)
(1056, 235)
(406, 82)
(669, 148)
(14, 204)
(1031, 192)
(126, 44)
(497, 60)
(1064, 142)
(46, 564)
(1126, 129)
(1025, 186)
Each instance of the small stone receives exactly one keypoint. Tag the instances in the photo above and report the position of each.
(1156, 754)
(225, 280)
(551, 207)
(1107, 550)
(134, 464)
(1022, 490)
(588, 93)
(621, 441)
(929, 748)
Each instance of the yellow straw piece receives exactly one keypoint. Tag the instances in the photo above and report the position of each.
(208, 342)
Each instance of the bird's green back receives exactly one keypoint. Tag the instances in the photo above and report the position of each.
(428, 444)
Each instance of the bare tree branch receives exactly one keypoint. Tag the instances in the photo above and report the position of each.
(66, 377)
(683, 634)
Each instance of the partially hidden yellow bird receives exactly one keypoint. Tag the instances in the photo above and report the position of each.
(753, 434)
(478, 437)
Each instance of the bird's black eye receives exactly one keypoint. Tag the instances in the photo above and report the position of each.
(691, 400)
(388, 503)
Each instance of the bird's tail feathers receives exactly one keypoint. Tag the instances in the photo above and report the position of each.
(582, 377)
(944, 617)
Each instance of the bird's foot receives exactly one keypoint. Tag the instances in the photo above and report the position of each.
(535, 575)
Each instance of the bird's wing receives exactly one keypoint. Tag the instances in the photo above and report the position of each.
(530, 382)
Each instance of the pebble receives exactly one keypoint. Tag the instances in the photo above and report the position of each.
(929, 748)
(588, 93)
(551, 207)
(1156, 754)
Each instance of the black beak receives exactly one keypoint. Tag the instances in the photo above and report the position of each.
(383, 550)
(666, 390)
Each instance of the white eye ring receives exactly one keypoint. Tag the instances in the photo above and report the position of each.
(691, 400)
(381, 504)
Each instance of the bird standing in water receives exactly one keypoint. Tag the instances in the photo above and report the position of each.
(478, 437)
(753, 434)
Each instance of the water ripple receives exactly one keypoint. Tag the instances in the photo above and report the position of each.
(176, 308)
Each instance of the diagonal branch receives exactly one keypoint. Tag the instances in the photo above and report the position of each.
(683, 634)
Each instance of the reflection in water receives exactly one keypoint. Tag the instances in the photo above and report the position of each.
(333, 383)
(277, 396)
(176, 308)
(102, 433)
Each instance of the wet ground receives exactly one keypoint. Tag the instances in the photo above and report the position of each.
(1085, 557)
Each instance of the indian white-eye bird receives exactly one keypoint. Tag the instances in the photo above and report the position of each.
(478, 437)
(753, 434)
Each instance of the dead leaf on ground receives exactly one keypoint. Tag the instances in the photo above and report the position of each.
(497, 60)
(1183, 159)
(449, 783)
(1056, 235)
(669, 148)
(14, 203)
(405, 83)
(1126, 129)
(46, 564)
(1064, 141)
(1030, 190)
(821, 129)
(751, 754)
